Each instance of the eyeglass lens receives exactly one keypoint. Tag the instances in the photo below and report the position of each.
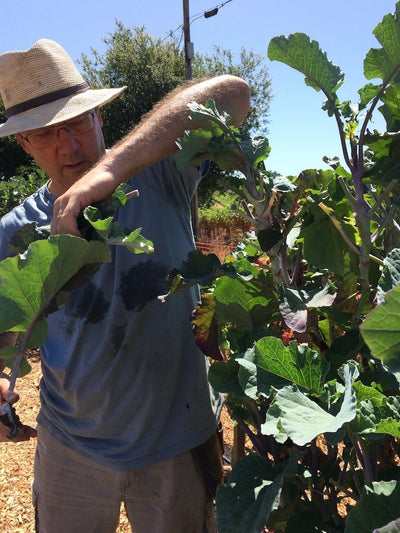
(49, 136)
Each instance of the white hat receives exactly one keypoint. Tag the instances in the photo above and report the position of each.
(41, 86)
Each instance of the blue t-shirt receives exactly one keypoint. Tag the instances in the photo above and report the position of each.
(124, 383)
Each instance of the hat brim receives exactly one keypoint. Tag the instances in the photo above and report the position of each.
(58, 111)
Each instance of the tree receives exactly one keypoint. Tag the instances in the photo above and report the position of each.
(12, 156)
(149, 68)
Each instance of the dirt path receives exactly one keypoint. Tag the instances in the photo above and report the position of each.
(16, 463)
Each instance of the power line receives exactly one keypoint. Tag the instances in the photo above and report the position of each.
(211, 12)
(206, 14)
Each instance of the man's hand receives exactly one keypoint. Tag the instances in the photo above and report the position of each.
(96, 185)
(26, 432)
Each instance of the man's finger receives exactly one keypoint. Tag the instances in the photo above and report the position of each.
(10, 396)
(64, 224)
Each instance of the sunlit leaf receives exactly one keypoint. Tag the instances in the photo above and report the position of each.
(302, 419)
(302, 54)
(29, 282)
(384, 62)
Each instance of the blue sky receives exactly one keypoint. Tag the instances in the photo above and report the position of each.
(300, 133)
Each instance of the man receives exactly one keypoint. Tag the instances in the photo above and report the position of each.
(126, 408)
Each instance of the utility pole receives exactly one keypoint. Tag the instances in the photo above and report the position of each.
(189, 50)
(189, 54)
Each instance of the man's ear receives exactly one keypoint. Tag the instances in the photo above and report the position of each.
(25, 145)
(99, 117)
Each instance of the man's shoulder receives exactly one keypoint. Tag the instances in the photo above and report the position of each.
(35, 208)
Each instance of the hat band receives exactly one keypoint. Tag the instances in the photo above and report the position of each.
(46, 99)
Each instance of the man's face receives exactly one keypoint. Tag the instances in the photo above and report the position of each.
(70, 157)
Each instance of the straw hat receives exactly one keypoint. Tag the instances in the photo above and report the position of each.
(41, 86)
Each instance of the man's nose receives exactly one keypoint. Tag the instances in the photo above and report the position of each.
(66, 141)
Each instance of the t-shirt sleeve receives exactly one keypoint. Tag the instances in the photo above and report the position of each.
(4, 248)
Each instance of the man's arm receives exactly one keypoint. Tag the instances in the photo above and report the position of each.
(152, 140)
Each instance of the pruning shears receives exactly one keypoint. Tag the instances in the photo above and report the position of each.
(8, 415)
(9, 418)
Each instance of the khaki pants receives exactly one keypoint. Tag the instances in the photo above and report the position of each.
(74, 494)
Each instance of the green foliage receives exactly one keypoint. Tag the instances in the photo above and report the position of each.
(14, 190)
(35, 283)
(379, 504)
(41, 273)
(385, 342)
(12, 156)
(150, 68)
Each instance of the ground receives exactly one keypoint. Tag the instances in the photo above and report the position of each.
(16, 462)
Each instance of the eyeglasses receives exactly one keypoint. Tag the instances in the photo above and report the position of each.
(49, 136)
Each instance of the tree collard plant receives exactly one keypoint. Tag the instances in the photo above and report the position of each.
(303, 319)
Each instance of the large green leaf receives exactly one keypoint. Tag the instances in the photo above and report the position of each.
(295, 363)
(198, 269)
(391, 109)
(218, 143)
(224, 378)
(343, 348)
(192, 143)
(379, 504)
(384, 62)
(27, 234)
(254, 380)
(251, 493)
(255, 150)
(299, 52)
(209, 111)
(30, 281)
(114, 233)
(386, 147)
(381, 330)
(331, 249)
(295, 415)
(246, 303)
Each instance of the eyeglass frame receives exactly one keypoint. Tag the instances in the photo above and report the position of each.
(60, 126)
